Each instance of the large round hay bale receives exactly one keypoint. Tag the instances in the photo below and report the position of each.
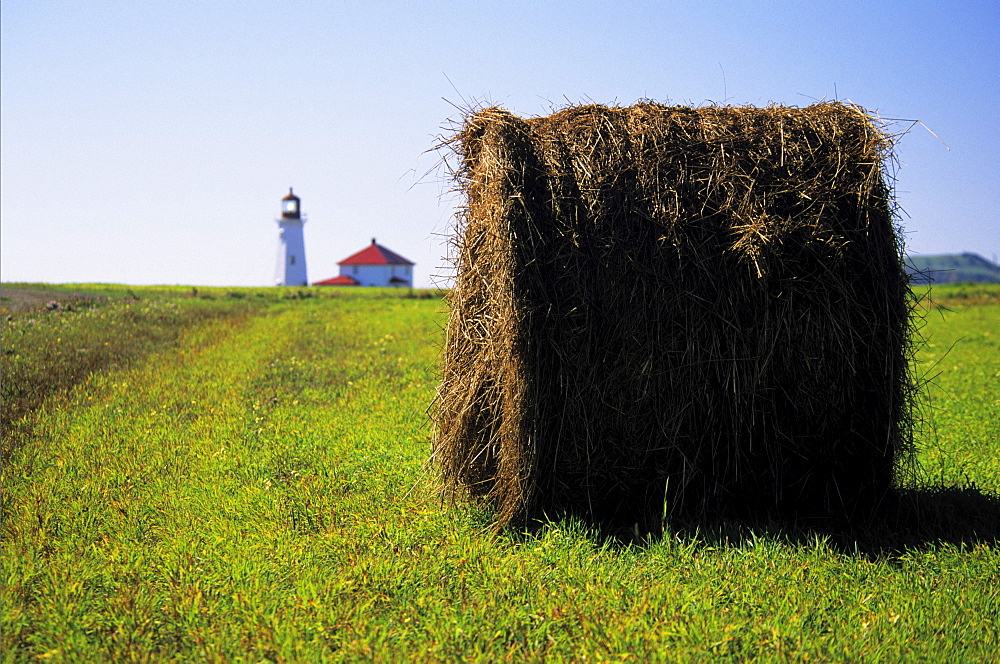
(697, 309)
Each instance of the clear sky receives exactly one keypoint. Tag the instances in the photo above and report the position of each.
(151, 142)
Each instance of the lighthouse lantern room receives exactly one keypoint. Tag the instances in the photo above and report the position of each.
(292, 251)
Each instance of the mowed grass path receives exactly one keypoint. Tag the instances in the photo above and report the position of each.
(258, 493)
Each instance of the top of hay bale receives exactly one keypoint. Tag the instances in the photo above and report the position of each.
(760, 168)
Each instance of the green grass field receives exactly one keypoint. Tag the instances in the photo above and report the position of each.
(239, 475)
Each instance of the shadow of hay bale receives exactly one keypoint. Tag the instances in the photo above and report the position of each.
(963, 517)
(668, 312)
(954, 515)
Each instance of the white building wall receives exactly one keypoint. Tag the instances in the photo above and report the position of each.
(292, 254)
(378, 275)
(404, 272)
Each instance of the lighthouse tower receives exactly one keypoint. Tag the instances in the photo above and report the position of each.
(292, 252)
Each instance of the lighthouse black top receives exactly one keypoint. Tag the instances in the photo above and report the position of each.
(290, 206)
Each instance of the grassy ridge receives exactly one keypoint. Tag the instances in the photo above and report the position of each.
(257, 492)
(48, 348)
(54, 337)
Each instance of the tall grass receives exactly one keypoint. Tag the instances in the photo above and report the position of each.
(256, 491)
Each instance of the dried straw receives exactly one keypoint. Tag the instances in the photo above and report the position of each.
(697, 312)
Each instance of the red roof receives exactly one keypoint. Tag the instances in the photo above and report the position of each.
(375, 254)
(342, 280)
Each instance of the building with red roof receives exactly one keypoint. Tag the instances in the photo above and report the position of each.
(374, 265)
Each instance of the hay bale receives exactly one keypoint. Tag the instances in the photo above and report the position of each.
(698, 308)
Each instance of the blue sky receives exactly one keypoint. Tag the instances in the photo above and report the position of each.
(151, 142)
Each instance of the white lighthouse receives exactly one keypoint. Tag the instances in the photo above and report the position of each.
(292, 251)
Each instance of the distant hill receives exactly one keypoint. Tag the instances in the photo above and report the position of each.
(952, 268)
